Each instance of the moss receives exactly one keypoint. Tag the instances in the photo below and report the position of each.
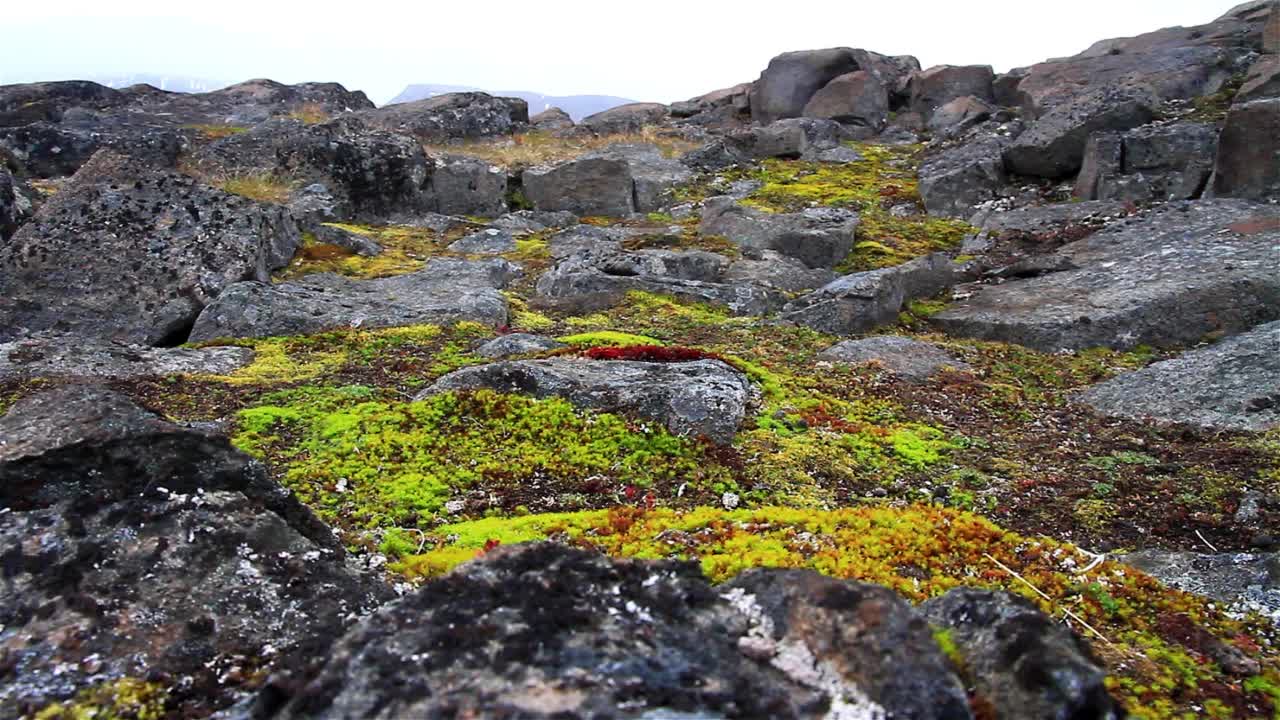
(263, 187)
(405, 249)
(123, 699)
(537, 148)
(608, 338)
(1154, 675)
(216, 131)
(309, 114)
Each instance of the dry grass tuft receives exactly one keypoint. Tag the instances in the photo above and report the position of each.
(538, 148)
(309, 113)
(263, 187)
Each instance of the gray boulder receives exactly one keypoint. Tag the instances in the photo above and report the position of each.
(59, 356)
(1166, 278)
(360, 244)
(517, 344)
(863, 301)
(704, 398)
(1156, 162)
(630, 118)
(467, 186)
(956, 180)
(909, 359)
(1041, 219)
(523, 222)
(1022, 662)
(164, 531)
(817, 237)
(937, 86)
(550, 120)
(858, 98)
(453, 116)
(791, 138)
(1233, 384)
(791, 79)
(445, 291)
(490, 241)
(1248, 163)
(17, 203)
(1263, 80)
(1245, 582)
(1053, 146)
(959, 115)
(132, 253)
(614, 182)
(772, 269)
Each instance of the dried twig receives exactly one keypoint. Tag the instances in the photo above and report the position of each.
(1048, 599)
(1206, 542)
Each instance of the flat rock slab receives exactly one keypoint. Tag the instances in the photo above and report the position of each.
(904, 357)
(701, 398)
(817, 237)
(490, 241)
(62, 356)
(1167, 278)
(1246, 581)
(445, 291)
(1233, 385)
(862, 301)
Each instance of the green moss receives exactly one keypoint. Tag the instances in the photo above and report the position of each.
(213, 131)
(405, 249)
(608, 338)
(123, 699)
(263, 187)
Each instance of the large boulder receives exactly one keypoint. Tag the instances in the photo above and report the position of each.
(615, 182)
(28, 103)
(629, 118)
(772, 269)
(793, 138)
(702, 398)
(445, 291)
(863, 301)
(467, 186)
(132, 253)
(1053, 146)
(544, 630)
(937, 86)
(50, 150)
(1166, 278)
(817, 237)
(453, 116)
(1263, 80)
(1155, 162)
(956, 180)
(550, 120)
(1233, 384)
(858, 98)
(1248, 163)
(791, 79)
(167, 555)
(959, 115)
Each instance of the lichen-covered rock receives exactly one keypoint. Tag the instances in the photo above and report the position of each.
(1248, 163)
(956, 180)
(770, 268)
(790, 138)
(1156, 162)
(937, 86)
(523, 222)
(56, 355)
(1053, 146)
(517, 344)
(1021, 662)
(490, 241)
(614, 182)
(132, 253)
(629, 118)
(858, 98)
(358, 243)
(1233, 384)
(817, 237)
(453, 116)
(17, 203)
(913, 360)
(704, 398)
(466, 186)
(1246, 582)
(166, 554)
(1166, 278)
(550, 120)
(444, 291)
(862, 301)
(791, 79)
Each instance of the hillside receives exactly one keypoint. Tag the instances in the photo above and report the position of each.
(577, 106)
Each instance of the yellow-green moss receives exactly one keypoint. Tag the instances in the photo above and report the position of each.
(123, 699)
(212, 131)
(405, 249)
(263, 187)
(609, 338)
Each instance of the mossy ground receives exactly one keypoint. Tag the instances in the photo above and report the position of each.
(123, 699)
(537, 148)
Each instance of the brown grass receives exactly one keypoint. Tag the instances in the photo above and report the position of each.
(537, 148)
(309, 113)
(216, 131)
(263, 187)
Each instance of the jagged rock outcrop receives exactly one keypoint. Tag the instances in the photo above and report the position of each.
(1166, 278)
(131, 253)
(579, 632)
(912, 360)
(614, 182)
(453, 116)
(791, 139)
(956, 180)
(629, 118)
(1053, 146)
(1233, 384)
(937, 86)
(702, 398)
(165, 553)
(817, 237)
(862, 301)
(1248, 163)
(444, 291)
(17, 203)
(1157, 162)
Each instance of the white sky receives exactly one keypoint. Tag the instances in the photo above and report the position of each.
(659, 50)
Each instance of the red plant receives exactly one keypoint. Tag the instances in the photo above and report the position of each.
(490, 544)
(650, 353)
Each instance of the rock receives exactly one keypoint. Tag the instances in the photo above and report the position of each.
(734, 100)
(909, 359)
(467, 186)
(453, 116)
(614, 182)
(550, 120)
(1041, 219)
(164, 531)
(1247, 582)
(523, 222)
(840, 154)
(517, 344)
(955, 181)
(630, 118)
(775, 270)
(791, 79)
(791, 138)
(857, 98)
(1021, 661)
(132, 253)
(28, 103)
(817, 237)
(361, 245)
(50, 150)
(1053, 146)
(959, 115)
(490, 241)
(445, 291)
(58, 356)
(1248, 163)
(1166, 278)
(540, 629)
(702, 398)
(939, 85)
(1233, 384)
(715, 156)
(1263, 80)
(17, 203)
(1155, 162)
(312, 206)
(862, 301)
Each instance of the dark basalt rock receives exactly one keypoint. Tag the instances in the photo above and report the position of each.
(167, 554)
(454, 116)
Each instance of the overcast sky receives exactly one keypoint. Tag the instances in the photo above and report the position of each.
(659, 50)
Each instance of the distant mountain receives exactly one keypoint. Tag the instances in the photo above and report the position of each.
(578, 106)
(172, 83)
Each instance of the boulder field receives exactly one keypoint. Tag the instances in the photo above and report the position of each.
(861, 390)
